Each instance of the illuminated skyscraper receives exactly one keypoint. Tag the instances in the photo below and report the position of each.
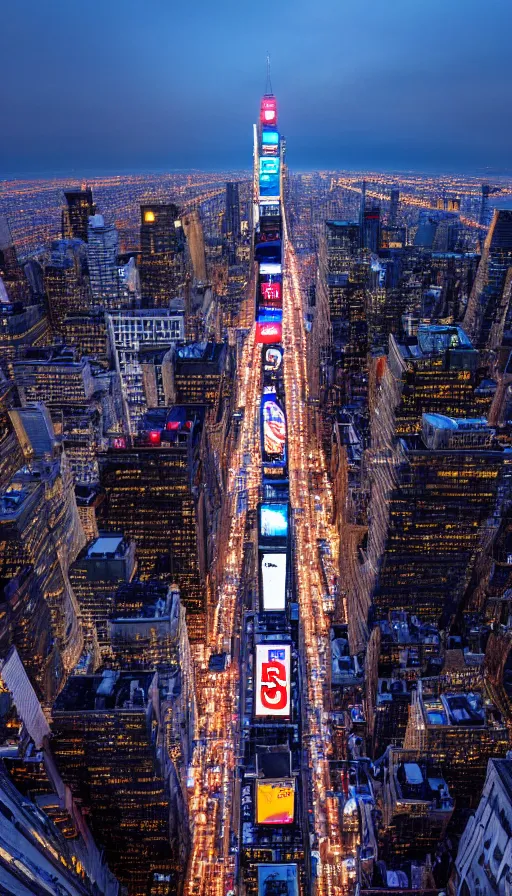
(486, 313)
(40, 534)
(448, 487)
(66, 282)
(149, 497)
(102, 252)
(162, 254)
(106, 736)
(76, 213)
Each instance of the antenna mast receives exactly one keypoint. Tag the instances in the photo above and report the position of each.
(268, 85)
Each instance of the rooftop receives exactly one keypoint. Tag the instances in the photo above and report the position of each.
(142, 600)
(435, 339)
(105, 546)
(103, 693)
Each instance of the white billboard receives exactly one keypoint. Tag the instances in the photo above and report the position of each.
(272, 680)
(273, 580)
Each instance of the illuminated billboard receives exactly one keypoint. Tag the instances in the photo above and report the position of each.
(273, 581)
(270, 293)
(270, 269)
(272, 680)
(274, 520)
(268, 111)
(269, 177)
(275, 801)
(277, 879)
(269, 209)
(273, 426)
(266, 313)
(272, 358)
(269, 137)
(266, 333)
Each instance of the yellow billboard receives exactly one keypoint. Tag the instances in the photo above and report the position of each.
(275, 802)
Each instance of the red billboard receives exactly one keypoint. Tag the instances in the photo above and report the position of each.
(268, 110)
(272, 680)
(271, 294)
(269, 332)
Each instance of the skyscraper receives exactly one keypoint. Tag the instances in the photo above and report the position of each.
(393, 206)
(102, 252)
(371, 228)
(232, 219)
(485, 312)
(76, 213)
(150, 498)
(162, 254)
(11, 272)
(448, 487)
(106, 736)
(66, 282)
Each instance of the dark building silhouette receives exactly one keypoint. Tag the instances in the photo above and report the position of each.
(76, 213)
(232, 219)
(394, 199)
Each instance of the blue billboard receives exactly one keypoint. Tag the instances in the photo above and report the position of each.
(269, 177)
(274, 520)
(277, 879)
(270, 143)
(269, 315)
(269, 137)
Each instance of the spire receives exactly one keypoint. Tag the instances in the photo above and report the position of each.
(268, 85)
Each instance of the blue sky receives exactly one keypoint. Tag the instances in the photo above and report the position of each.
(105, 85)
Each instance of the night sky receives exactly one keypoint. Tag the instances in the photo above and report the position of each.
(101, 86)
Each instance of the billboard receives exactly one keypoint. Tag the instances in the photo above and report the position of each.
(275, 801)
(274, 520)
(269, 139)
(268, 111)
(269, 177)
(272, 680)
(266, 313)
(270, 293)
(273, 581)
(270, 269)
(277, 879)
(267, 333)
(273, 424)
(272, 358)
(269, 209)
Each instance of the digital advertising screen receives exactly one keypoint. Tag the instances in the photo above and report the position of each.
(274, 520)
(270, 269)
(269, 137)
(277, 879)
(275, 801)
(268, 110)
(266, 333)
(269, 209)
(269, 177)
(272, 358)
(270, 293)
(272, 680)
(273, 423)
(266, 314)
(273, 581)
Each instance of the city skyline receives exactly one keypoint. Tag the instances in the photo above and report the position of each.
(391, 87)
(256, 453)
